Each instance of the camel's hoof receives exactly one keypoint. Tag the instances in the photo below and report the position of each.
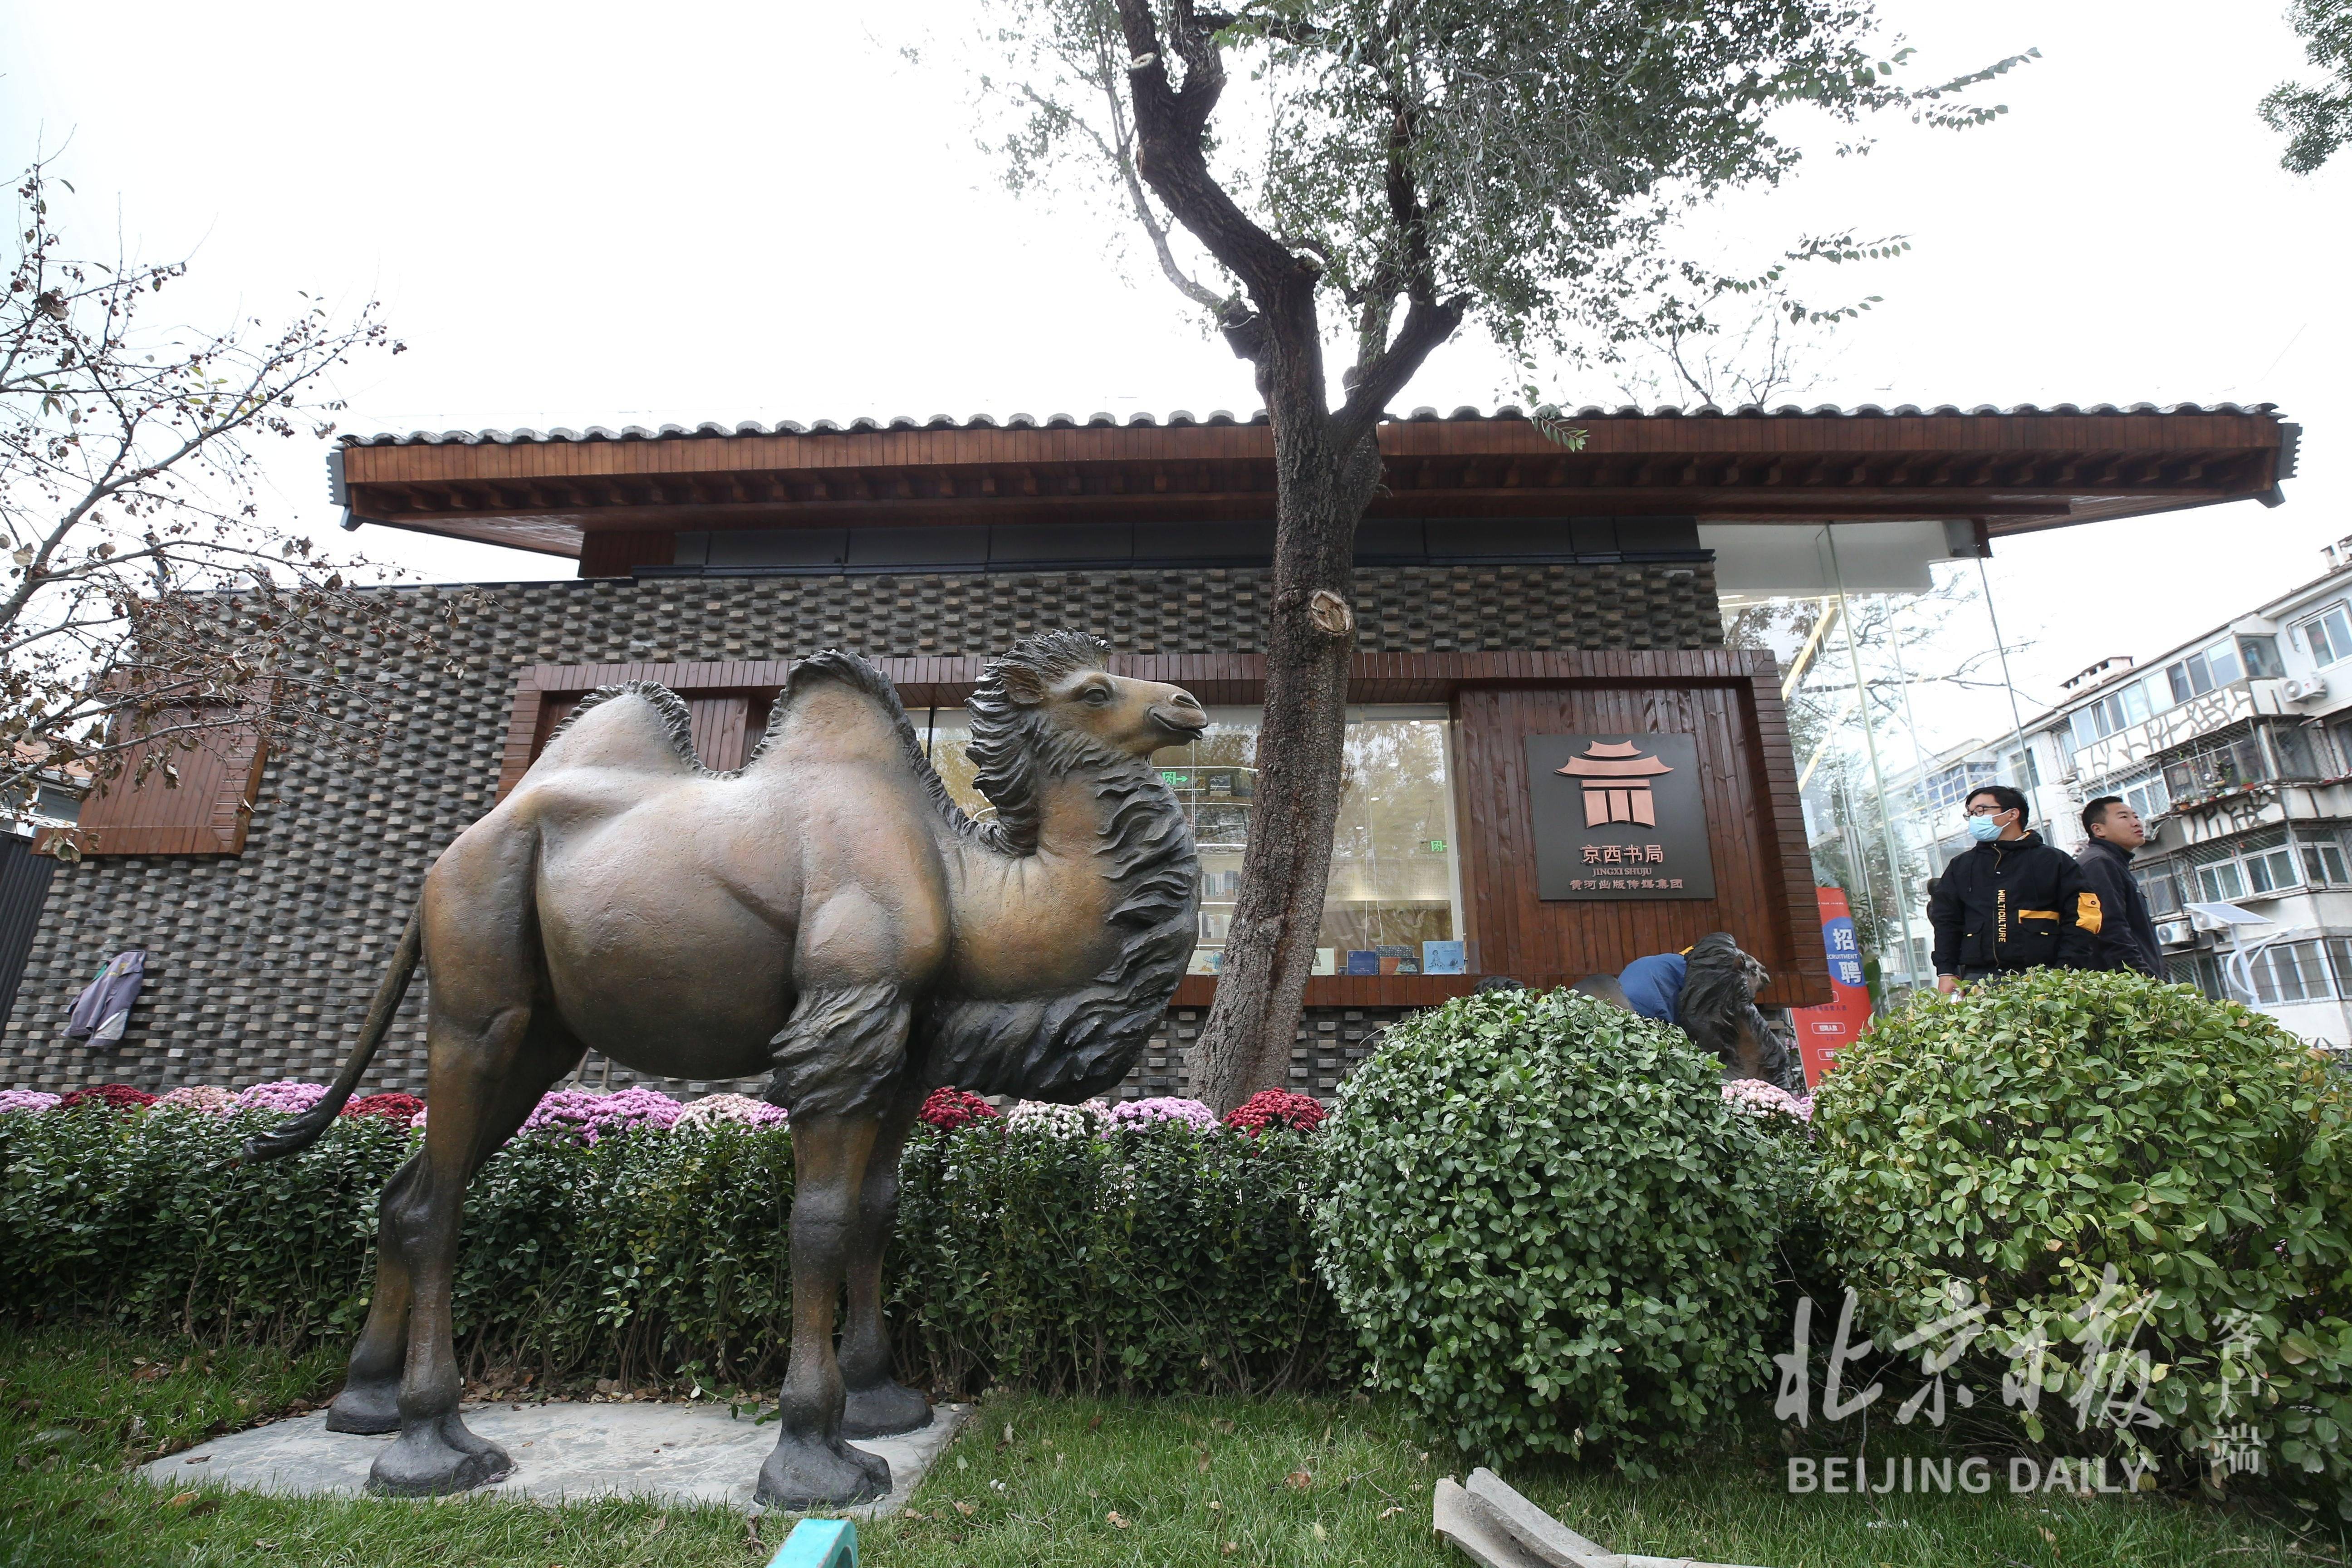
(884, 1410)
(802, 1474)
(434, 1455)
(370, 1409)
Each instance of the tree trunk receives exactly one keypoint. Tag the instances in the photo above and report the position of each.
(1245, 1044)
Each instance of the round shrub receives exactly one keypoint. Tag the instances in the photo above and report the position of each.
(1549, 1230)
(2024, 1139)
(1277, 1108)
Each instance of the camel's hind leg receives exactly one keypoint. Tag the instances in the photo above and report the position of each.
(485, 1076)
(370, 1400)
(876, 1404)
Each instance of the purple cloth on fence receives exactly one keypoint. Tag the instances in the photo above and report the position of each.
(103, 1009)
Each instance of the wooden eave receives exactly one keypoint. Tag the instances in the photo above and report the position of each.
(2018, 473)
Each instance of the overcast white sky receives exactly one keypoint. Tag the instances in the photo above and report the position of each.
(584, 214)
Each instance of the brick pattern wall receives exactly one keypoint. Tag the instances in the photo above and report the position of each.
(260, 966)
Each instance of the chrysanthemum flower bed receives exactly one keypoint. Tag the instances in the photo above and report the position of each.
(1062, 1247)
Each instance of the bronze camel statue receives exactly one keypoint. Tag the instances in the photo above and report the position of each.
(1713, 1001)
(826, 912)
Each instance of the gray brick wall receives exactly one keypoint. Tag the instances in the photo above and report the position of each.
(260, 965)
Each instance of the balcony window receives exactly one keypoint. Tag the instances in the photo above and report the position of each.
(2222, 884)
(2291, 971)
(2145, 793)
(2259, 655)
(2254, 871)
(2323, 861)
(2116, 710)
(2296, 760)
(2157, 887)
(2201, 671)
(2217, 768)
(2328, 634)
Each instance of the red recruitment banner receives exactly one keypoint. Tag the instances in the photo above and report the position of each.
(1822, 1032)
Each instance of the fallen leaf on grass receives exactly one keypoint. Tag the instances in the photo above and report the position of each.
(1229, 1547)
(659, 1525)
(185, 1498)
(1118, 1519)
(1390, 1512)
(912, 1514)
(1298, 1480)
(966, 1509)
(1095, 1425)
(1319, 1532)
(2046, 1535)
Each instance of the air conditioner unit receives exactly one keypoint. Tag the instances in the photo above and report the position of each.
(2175, 933)
(2303, 688)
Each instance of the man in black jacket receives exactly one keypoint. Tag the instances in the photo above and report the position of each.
(2011, 903)
(2127, 938)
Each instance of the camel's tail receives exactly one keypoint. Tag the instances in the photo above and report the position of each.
(304, 1129)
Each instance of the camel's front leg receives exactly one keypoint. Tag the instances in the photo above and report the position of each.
(838, 1063)
(812, 1467)
(878, 1404)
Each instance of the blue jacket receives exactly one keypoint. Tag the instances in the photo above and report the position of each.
(1653, 985)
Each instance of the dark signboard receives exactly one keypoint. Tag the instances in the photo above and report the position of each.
(1618, 817)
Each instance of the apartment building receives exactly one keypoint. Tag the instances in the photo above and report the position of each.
(2235, 747)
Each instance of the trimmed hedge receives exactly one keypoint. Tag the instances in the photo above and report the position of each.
(1155, 1260)
(1550, 1229)
(2009, 1147)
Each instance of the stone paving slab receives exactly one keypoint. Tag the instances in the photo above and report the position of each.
(563, 1452)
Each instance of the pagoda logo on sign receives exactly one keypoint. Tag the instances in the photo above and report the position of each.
(1619, 816)
(1616, 780)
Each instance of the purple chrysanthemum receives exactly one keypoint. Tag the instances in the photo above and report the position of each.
(287, 1095)
(26, 1100)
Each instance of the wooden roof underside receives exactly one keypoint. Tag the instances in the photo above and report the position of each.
(2016, 472)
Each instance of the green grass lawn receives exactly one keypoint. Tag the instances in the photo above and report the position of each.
(1035, 1482)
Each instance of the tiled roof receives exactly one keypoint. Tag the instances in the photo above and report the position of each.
(1223, 416)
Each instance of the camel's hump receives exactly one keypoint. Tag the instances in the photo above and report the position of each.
(636, 726)
(838, 708)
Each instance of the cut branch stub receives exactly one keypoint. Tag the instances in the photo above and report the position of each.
(1330, 612)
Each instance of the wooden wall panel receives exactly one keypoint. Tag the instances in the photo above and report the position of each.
(1541, 942)
(207, 813)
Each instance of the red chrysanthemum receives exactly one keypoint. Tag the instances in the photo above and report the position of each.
(1277, 1108)
(392, 1107)
(113, 1096)
(950, 1109)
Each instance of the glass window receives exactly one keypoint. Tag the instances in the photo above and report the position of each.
(2271, 871)
(2294, 753)
(2023, 768)
(2261, 656)
(2290, 972)
(1394, 888)
(2328, 634)
(2158, 690)
(2201, 672)
(2156, 885)
(2322, 862)
(2146, 795)
(2221, 884)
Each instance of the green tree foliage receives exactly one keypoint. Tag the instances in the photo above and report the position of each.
(2013, 1146)
(1393, 170)
(2316, 120)
(1549, 1231)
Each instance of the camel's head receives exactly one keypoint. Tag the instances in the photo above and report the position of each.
(1058, 678)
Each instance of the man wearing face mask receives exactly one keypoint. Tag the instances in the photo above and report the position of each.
(2011, 902)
